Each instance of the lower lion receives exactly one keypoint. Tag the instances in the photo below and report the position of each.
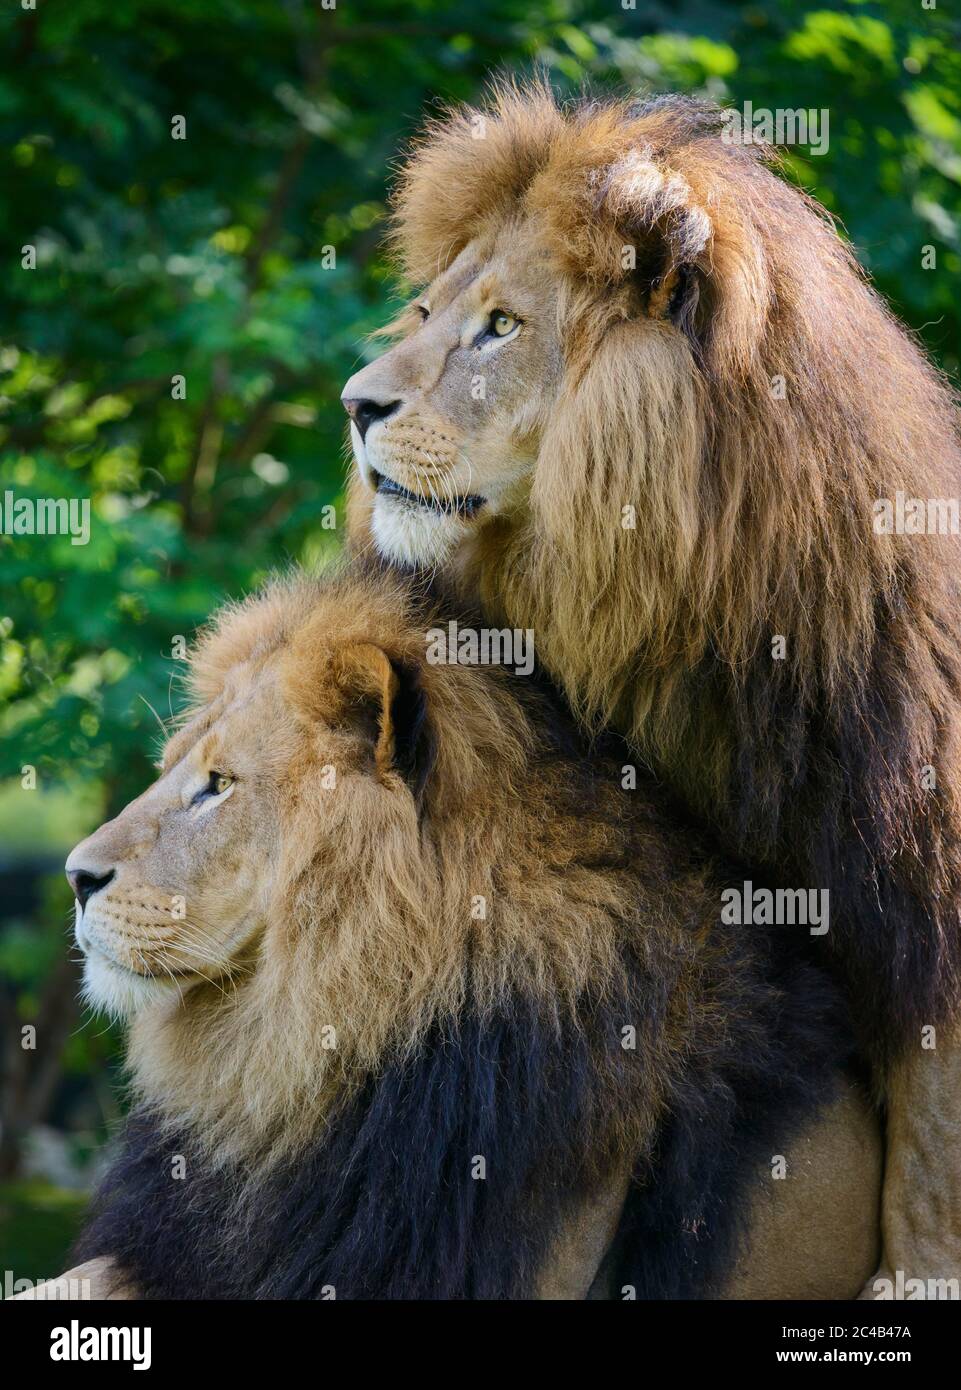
(426, 1004)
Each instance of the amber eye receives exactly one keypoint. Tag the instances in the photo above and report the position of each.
(217, 783)
(502, 323)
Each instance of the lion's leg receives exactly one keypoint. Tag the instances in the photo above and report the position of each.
(583, 1241)
(921, 1211)
(94, 1279)
(815, 1233)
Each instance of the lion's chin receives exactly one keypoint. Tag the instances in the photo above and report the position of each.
(112, 989)
(414, 536)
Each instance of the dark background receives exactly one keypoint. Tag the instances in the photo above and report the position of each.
(205, 258)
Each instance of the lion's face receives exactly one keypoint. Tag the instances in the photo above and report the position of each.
(183, 886)
(177, 887)
(447, 425)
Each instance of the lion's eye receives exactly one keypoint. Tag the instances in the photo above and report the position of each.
(502, 323)
(424, 312)
(217, 783)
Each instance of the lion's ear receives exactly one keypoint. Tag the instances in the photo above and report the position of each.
(387, 695)
(675, 296)
(666, 234)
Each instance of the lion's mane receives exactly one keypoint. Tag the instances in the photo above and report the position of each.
(752, 446)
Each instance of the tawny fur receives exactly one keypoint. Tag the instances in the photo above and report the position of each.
(281, 684)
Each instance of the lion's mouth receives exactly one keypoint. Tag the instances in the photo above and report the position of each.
(93, 948)
(468, 505)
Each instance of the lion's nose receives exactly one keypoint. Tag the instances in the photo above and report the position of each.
(85, 884)
(365, 412)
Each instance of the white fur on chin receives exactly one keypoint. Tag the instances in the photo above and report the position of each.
(109, 989)
(410, 535)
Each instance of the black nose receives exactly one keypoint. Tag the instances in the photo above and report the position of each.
(84, 884)
(364, 413)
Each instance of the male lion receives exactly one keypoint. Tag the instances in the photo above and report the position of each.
(648, 407)
(417, 991)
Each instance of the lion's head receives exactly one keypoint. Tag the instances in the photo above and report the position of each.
(644, 397)
(448, 425)
(180, 884)
(345, 841)
(559, 257)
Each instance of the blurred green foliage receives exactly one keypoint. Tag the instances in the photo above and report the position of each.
(239, 268)
(38, 1221)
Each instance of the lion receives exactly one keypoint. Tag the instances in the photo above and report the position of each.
(424, 1003)
(647, 406)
